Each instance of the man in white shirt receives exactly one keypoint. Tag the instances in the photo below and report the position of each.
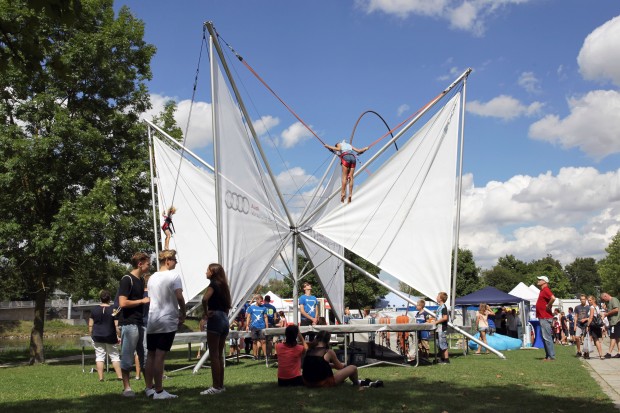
(166, 313)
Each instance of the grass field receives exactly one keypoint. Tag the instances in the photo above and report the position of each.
(522, 383)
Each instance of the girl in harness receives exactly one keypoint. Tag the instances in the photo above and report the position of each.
(348, 160)
(168, 227)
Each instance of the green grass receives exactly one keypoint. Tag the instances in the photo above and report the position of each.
(522, 383)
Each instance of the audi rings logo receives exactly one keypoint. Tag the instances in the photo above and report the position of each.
(237, 202)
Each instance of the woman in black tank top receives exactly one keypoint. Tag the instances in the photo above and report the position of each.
(317, 368)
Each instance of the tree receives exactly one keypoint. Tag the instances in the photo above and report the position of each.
(359, 290)
(609, 267)
(583, 276)
(467, 274)
(166, 121)
(73, 181)
(552, 268)
(506, 274)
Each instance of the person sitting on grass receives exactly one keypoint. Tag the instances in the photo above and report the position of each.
(289, 357)
(317, 366)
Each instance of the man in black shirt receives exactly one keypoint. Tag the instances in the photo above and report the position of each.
(131, 301)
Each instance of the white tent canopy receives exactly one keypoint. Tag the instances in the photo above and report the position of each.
(523, 291)
(277, 302)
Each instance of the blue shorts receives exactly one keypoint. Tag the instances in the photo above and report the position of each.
(218, 323)
(348, 160)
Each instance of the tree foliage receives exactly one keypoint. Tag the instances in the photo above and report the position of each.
(467, 274)
(165, 120)
(75, 192)
(609, 267)
(506, 274)
(583, 276)
(552, 268)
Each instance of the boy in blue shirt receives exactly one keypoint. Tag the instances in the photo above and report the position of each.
(256, 322)
(441, 321)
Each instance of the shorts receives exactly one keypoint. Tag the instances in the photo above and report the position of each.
(442, 340)
(571, 331)
(596, 332)
(483, 328)
(257, 334)
(580, 331)
(101, 349)
(218, 323)
(348, 160)
(614, 332)
(328, 382)
(133, 340)
(295, 381)
(160, 341)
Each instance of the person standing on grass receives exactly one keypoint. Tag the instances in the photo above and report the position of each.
(272, 319)
(256, 322)
(131, 302)
(482, 324)
(103, 329)
(613, 317)
(441, 321)
(166, 313)
(216, 304)
(544, 315)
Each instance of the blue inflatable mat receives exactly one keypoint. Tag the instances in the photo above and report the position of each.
(498, 342)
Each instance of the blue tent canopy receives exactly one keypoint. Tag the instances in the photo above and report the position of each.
(489, 295)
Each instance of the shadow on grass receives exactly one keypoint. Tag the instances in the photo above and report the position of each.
(403, 395)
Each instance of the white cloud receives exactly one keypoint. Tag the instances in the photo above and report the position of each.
(503, 107)
(467, 15)
(599, 58)
(404, 108)
(265, 124)
(573, 214)
(295, 134)
(529, 82)
(199, 133)
(592, 125)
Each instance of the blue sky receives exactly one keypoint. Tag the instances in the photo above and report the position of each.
(542, 151)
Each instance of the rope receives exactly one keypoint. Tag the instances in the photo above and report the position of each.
(191, 107)
(242, 60)
(380, 117)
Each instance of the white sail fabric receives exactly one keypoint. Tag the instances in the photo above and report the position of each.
(402, 216)
(330, 269)
(253, 230)
(194, 223)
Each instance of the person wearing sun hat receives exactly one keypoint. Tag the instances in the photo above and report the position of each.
(545, 317)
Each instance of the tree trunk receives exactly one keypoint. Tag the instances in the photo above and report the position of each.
(36, 335)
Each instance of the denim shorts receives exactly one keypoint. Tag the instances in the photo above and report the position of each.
(218, 323)
(133, 340)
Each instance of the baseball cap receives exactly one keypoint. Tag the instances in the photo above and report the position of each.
(544, 278)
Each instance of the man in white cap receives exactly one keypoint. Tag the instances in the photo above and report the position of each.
(544, 315)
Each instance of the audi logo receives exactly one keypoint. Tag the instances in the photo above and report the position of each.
(237, 202)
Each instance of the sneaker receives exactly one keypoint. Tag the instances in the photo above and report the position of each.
(212, 390)
(586, 356)
(149, 392)
(365, 382)
(164, 395)
(617, 356)
(444, 361)
(377, 383)
(607, 356)
(578, 354)
(129, 393)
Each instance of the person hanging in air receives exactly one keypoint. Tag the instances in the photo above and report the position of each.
(168, 227)
(347, 159)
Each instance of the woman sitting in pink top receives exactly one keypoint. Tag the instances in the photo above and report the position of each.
(289, 357)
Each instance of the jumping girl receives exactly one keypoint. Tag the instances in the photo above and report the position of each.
(347, 159)
(168, 227)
